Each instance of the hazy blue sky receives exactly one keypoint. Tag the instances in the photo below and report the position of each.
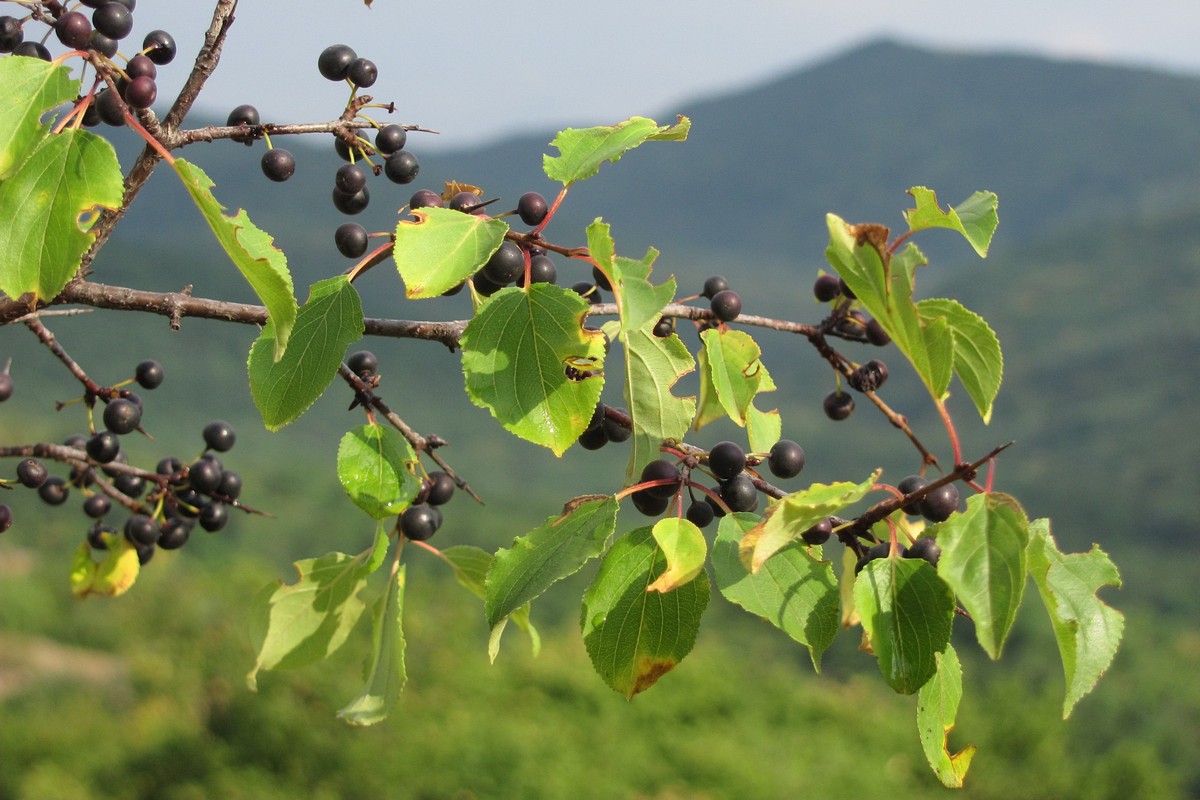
(479, 70)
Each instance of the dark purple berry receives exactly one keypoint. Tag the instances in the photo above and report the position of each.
(819, 533)
(614, 431)
(160, 47)
(739, 493)
(786, 459)
(351, 239)
(219, 435)
(466, 202)
(98, 535)
(713, 286)
(32, 473)
(938, 505)
(726, 459)
(593, 439)
(700, 514)
(362, 72)
(53, 491)
(601, 279)
(141, 92)
(335, 60)
(103, 447)
(109, 107)
(927, 548)
(175, 531)
(541, 270)
(204, 475)
(141, 529)
(32, 50)
(73, 30)
(102, 44)
(587, 291)
(532, 208)
(658, 470)
(11, 34)
(97, 506)
(245, 114)
(113, 20)
(441, 488)
(352, 203)
(230, 486)
(390, 139)
(664, 327)
(129, 485)
(419, 522)
(838, 405)
(122, 416)
(401, 167)
(149, 374)
(845, 290)
(826, 287)
(350, 178)
(726, 305)
(869, 376)
(363, 363)
(425, 198)
(648, 504)
(909, 485)
(876, 335)
(505, 265)
(214, 517)
(278, 164)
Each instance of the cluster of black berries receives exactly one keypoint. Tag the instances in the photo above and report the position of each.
(603, 428)
(729, 464)
(110, 22)
(726, 304)
(935, 506)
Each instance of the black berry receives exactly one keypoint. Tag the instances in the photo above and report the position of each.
(219, 435)
(362, 72)
(909, 485)
(122, 416)
(819, 533)
(278, 164)
(97, 506)
(53, 491)
(541, 270)
(32, 473)
(614, 431)
(351, 239)
(113, 20)
(927, 548)
(714, 286)
(726, 459)
(505, 265)
(786, 459)
(214, 517)
(73, 30)
(649, 504)
(363, 363)
(140, 529)
(149, 374)
(726, 305)
(739, 493)
(390, 139)
(876, 335)
(466, 202)
(532, 208)
(230, 486)
(129, 485)
(174, 533)
(6, 386)
(32, 50)
(826, 287)
(601, 279)
(243, 115)
(335, 60)
(664, 327)
(425, 198)
(869, 376)
(351, 203)
(401, 167)
(204, 475)
(350, 178)
(700, 514)
(141, 92)
(11, 34)
(658, 470)
(103, 447)
(938, 505)
(419, 522)
(441, 488)
(160, 47)
(838, 405)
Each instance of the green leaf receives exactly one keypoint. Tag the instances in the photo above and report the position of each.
(386, 675)
(735, 371)
(794, 514)
(298, 623)
(795, 591)
(937, 708)
(685, 549)
(471, 565)
(29, 87)
(252, 250)
(634, 636)
(983, 561)
(45, 230)
(327, 324)
(556, 549)
(376, 467)
(583, 150)
(883, 283)
(514, 355)
(978, 361)
(441, 248)
(975, 218)
(907, 613)
(1087, 629)
(763, 429)
(652, 366)
(639, 303)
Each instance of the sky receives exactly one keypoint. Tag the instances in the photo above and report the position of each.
(480, 71)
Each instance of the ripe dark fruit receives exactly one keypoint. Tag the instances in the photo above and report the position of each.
(819, 533)
(874, 552)
(109, 108)
(401, 167)
(140, 529)
(362, 72)
(660, 470)
(739, 493)
(160, 47)
(593, 439)
(168, 466)
(230, 486)
(786, 459)
(532, 208)
(601, 279)
(587, 291)
(664, 327)
(98, 534)
(149, 374)
(425, 198)
(845, 290)
(466, 202)
(31, 473)
(141, 92)
(726, 305)
(351, 239)
(122, 416)
(174, 533)
(129, 485)
(243, 115)
(11, 34)
(335, 60)
(214, 517)
(909, 485)
(876, 335)
(113, 20)
(615, 431)
(278, 164)
(541, 270)
(204, 475)
(938, 505)
(927, 548)
(141, 66)
(505, 265)
(713, 286)
(102, 44)
(700, 514)
(32, 50)
(6, 518)
(6, 386)
(73, 30)
(219, 435)
(53, 491)
(838, 405)
(97, 506)
(441, 488)
(726, 459)
(419, 522)
(648, 504)
(352, 203)
(350, 178)
(390, 139)
(826, 287)
(363, 363)
(103, 447)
